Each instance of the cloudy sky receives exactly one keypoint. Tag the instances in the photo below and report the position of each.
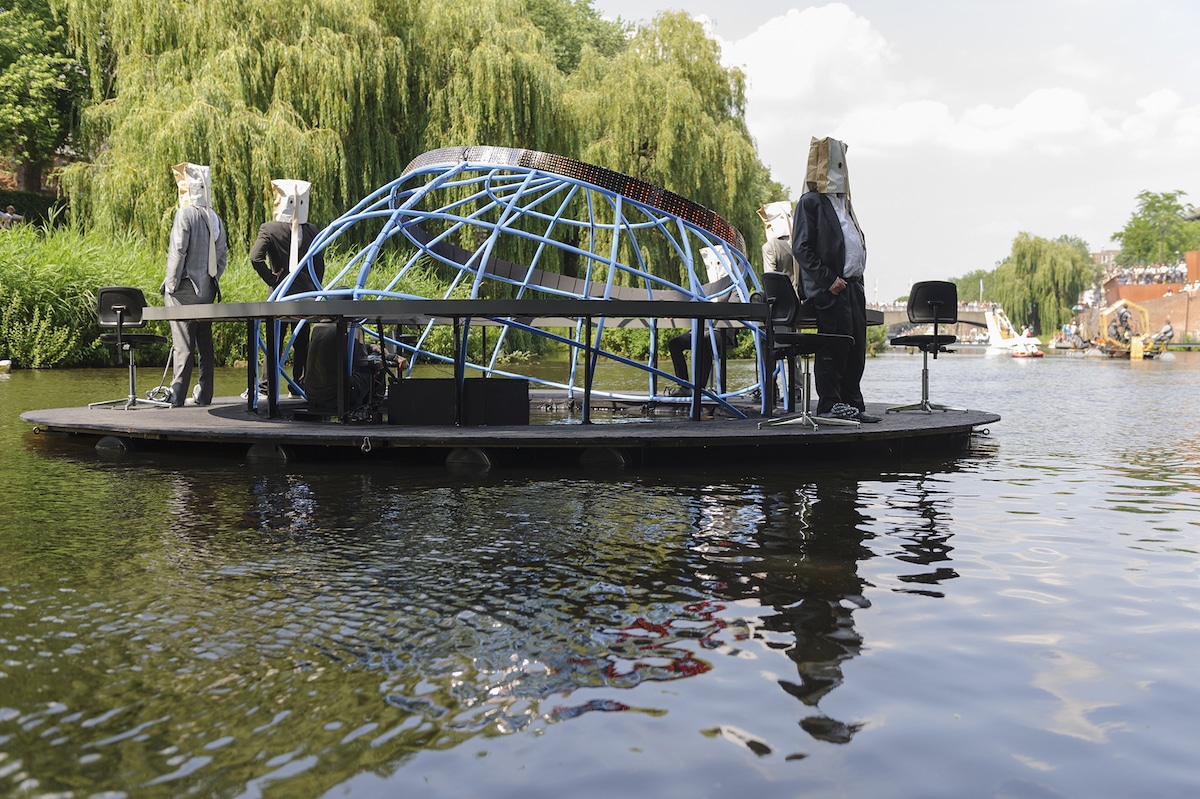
(969, 122)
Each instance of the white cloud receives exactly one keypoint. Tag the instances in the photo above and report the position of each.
(1025, 133)
(828, 55)
(827, 71)
(1186, 131)
(1067, 60)
(1160, 104)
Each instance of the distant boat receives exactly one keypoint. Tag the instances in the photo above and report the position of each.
(1003, 337)
(1126, 326)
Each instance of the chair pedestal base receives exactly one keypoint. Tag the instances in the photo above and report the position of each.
(804, 417)
(807, 418)
(131, 402)
(924, 405)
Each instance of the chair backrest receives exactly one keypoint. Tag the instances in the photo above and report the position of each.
(782, 297)
(120, 306)
(933, 302)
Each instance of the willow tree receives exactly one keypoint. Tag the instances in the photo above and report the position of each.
(257, 89)
(664, 110)
(344, 95)
(486, 75)
(1041, 280)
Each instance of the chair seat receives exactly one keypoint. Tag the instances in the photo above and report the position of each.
(133, 339)
(924, 342)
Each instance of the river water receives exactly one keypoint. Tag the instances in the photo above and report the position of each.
(1022, 620)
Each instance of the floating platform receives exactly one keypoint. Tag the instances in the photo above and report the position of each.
(624, 432)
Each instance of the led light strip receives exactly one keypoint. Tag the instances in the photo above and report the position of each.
(637, 190)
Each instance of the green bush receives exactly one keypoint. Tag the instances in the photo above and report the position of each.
(49, 277)
(877, 339)
(33, 340)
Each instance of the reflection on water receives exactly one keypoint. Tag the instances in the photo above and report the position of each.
(197, 626)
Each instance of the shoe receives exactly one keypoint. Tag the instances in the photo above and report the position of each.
(680, 391)
(867, 418)
(175, 396)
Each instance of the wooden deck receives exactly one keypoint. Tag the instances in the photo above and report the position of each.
(621, 433)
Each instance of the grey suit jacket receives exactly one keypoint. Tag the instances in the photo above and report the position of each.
(187, 253)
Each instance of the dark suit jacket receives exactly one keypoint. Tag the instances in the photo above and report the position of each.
(818, 247)
(269, 255)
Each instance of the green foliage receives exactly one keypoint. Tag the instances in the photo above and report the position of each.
(666, 111)
(341, 95)
(572, 25)
(32, 339)
(634, 343)
(968, 285)
(1079, 244)
(877, 339)
(38, 85)
(1040, 281)
(55, 273)
(345, 95)
(1158, 231)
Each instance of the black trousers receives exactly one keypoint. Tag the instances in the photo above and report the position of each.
(681, 343)
(838, 369)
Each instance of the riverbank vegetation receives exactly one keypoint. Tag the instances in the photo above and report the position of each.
(1040, 282)
(342, 96)
(108, 94)
(49, 277)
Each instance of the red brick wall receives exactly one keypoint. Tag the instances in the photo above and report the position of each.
(1182, 308)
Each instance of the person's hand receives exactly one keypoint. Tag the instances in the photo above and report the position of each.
(837, 287)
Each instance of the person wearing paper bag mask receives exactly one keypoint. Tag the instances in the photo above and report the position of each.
(777, 249)
(278, 250)
(195, 262)
(831, 254)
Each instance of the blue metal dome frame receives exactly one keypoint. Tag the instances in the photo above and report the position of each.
(625, 239)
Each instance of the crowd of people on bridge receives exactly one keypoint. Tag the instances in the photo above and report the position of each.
(1148, 275)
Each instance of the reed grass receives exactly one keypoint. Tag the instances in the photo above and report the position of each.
(49, 276)
(48, 282)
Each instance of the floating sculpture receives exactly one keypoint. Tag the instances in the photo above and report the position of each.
(520, 224)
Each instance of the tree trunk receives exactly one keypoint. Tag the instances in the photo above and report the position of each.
(29, 176)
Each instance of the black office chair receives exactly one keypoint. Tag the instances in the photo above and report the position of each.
(931, 302)
(119, 308)
(792, 344)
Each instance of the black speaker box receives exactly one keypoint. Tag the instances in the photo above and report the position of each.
(486, 401)
(421, 401)
(494, 401)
